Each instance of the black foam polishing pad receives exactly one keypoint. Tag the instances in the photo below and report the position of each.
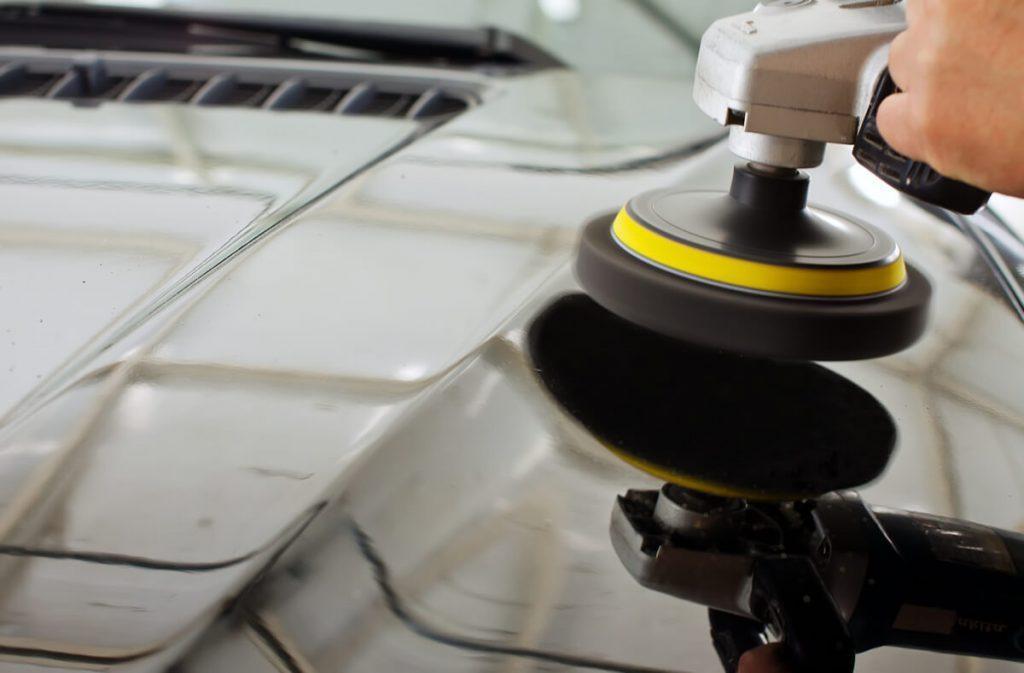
(717, 422)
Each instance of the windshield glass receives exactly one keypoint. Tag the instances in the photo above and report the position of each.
(652, 37)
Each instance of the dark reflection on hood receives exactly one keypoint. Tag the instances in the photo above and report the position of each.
(732, 424)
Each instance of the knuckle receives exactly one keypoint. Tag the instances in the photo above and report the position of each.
(917, 64)
(901, 52)
(901, 46)
(931, 60)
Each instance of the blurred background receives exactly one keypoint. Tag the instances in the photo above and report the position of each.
(641, 36)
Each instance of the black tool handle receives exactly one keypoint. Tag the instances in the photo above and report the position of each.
(914, 178)
(953, 586)
(733, 635)
(788, 594)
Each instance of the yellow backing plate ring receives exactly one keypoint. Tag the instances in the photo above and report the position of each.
(744, 273)
(696, 484)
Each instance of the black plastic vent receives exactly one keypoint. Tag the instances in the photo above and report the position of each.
(95, 82)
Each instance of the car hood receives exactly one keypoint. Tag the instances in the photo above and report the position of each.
(226, 327)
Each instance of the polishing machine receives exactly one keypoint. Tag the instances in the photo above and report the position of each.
(752, 284)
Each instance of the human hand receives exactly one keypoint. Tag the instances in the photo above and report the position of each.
(961, 66)
(764, 659)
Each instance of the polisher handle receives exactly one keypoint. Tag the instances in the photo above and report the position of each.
(788, 593)
(914, 178)
(733, 635)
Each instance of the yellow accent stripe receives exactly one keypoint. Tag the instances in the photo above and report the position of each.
(708, 487)
(756, 275)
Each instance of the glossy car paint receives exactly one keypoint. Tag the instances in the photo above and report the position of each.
(237, 338)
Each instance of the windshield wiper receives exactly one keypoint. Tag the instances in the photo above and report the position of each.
(58, 26)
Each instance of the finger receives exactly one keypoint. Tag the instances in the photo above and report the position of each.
(902, 53)
(765, 659)
(896, 124)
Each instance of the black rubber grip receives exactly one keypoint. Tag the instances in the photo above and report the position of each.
(733, 636)
(788, 593)
(914, 178)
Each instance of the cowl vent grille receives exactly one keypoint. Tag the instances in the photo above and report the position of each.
(205, 82)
